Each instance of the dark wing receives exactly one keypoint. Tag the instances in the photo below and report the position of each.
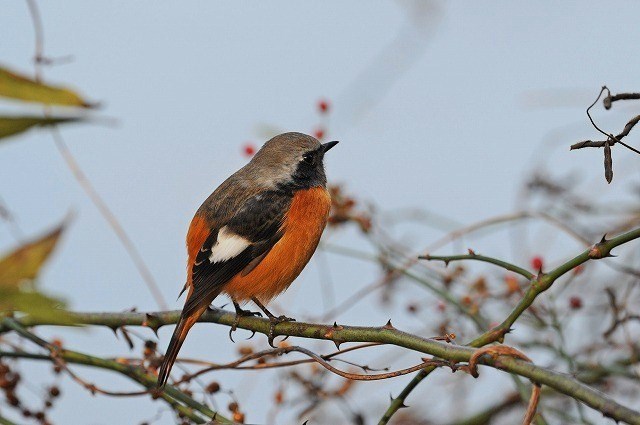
(249, 236)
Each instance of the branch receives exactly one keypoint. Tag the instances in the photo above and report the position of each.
(544, 281)
(384, 334)
(498, 333)
(170, 394)
(473, 256)
(398, 402)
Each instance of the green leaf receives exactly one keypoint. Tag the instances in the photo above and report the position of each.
(25, 262)
(33, 303)
(17, 86)
(10, 126)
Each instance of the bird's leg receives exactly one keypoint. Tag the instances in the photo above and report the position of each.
(241, 313)
(273, 320)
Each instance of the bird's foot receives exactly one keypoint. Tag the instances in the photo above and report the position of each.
(273, 322)
(241, 313)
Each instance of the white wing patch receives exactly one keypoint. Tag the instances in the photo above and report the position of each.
(228, 246)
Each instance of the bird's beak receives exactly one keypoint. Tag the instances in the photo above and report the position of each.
(328, 145)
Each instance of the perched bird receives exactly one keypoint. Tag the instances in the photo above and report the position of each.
(255, 233)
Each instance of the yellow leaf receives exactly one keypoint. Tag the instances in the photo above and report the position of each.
(14, 125)
(25, 262)
(23, 88)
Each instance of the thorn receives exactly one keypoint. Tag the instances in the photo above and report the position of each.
(115, 330)
(152, 323)
(253, 333)
(610, 255)
(391, 397)
(471, 251)
(337, 343)
(231, 330)
(446, 263)
(403, 406)
(388, 325)
(604, 238)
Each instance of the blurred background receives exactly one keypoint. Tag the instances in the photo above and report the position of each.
(448, 114)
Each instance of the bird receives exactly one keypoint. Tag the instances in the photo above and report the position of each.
(255, 233)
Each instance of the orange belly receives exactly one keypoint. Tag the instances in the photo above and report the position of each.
(303, 226)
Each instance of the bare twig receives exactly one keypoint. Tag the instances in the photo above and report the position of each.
(81, 177)
(609, 99)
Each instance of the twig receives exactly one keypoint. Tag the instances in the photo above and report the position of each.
(611, 139)
(398, 402)
(272, 352)
(81, 177)
(473, 256)
(486, 338)
(137, 374)
(608, 100)
(544, 281)
(533, 405)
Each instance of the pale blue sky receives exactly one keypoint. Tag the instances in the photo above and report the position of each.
(445, 111)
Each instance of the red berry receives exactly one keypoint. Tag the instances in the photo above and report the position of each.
(249, 149)
(537, 263)
(575, 303)
(319, 133)
(323, 106)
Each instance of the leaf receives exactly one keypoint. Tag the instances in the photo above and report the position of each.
(10, 126)
(608, 162)
(25, 262)
(20, 87)
(34, 303)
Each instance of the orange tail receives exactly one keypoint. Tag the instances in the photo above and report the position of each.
(178, 337)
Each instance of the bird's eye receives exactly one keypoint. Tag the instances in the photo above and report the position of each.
(308, 158)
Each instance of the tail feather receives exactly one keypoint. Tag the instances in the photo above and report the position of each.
(178, 337)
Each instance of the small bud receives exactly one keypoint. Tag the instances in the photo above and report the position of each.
(323, 106)
(54, 391)
(575, 303)
(248, 149)
(537, 263)
(238, 417)
(245, 350)
(213, 387)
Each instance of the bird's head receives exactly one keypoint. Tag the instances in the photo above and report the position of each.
(290, 160)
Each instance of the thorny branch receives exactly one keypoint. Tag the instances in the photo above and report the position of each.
(384, 334)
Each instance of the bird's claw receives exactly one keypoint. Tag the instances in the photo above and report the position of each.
(273, 322)
(242, 313)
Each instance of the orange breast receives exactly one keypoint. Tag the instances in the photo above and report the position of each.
(303, 226)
